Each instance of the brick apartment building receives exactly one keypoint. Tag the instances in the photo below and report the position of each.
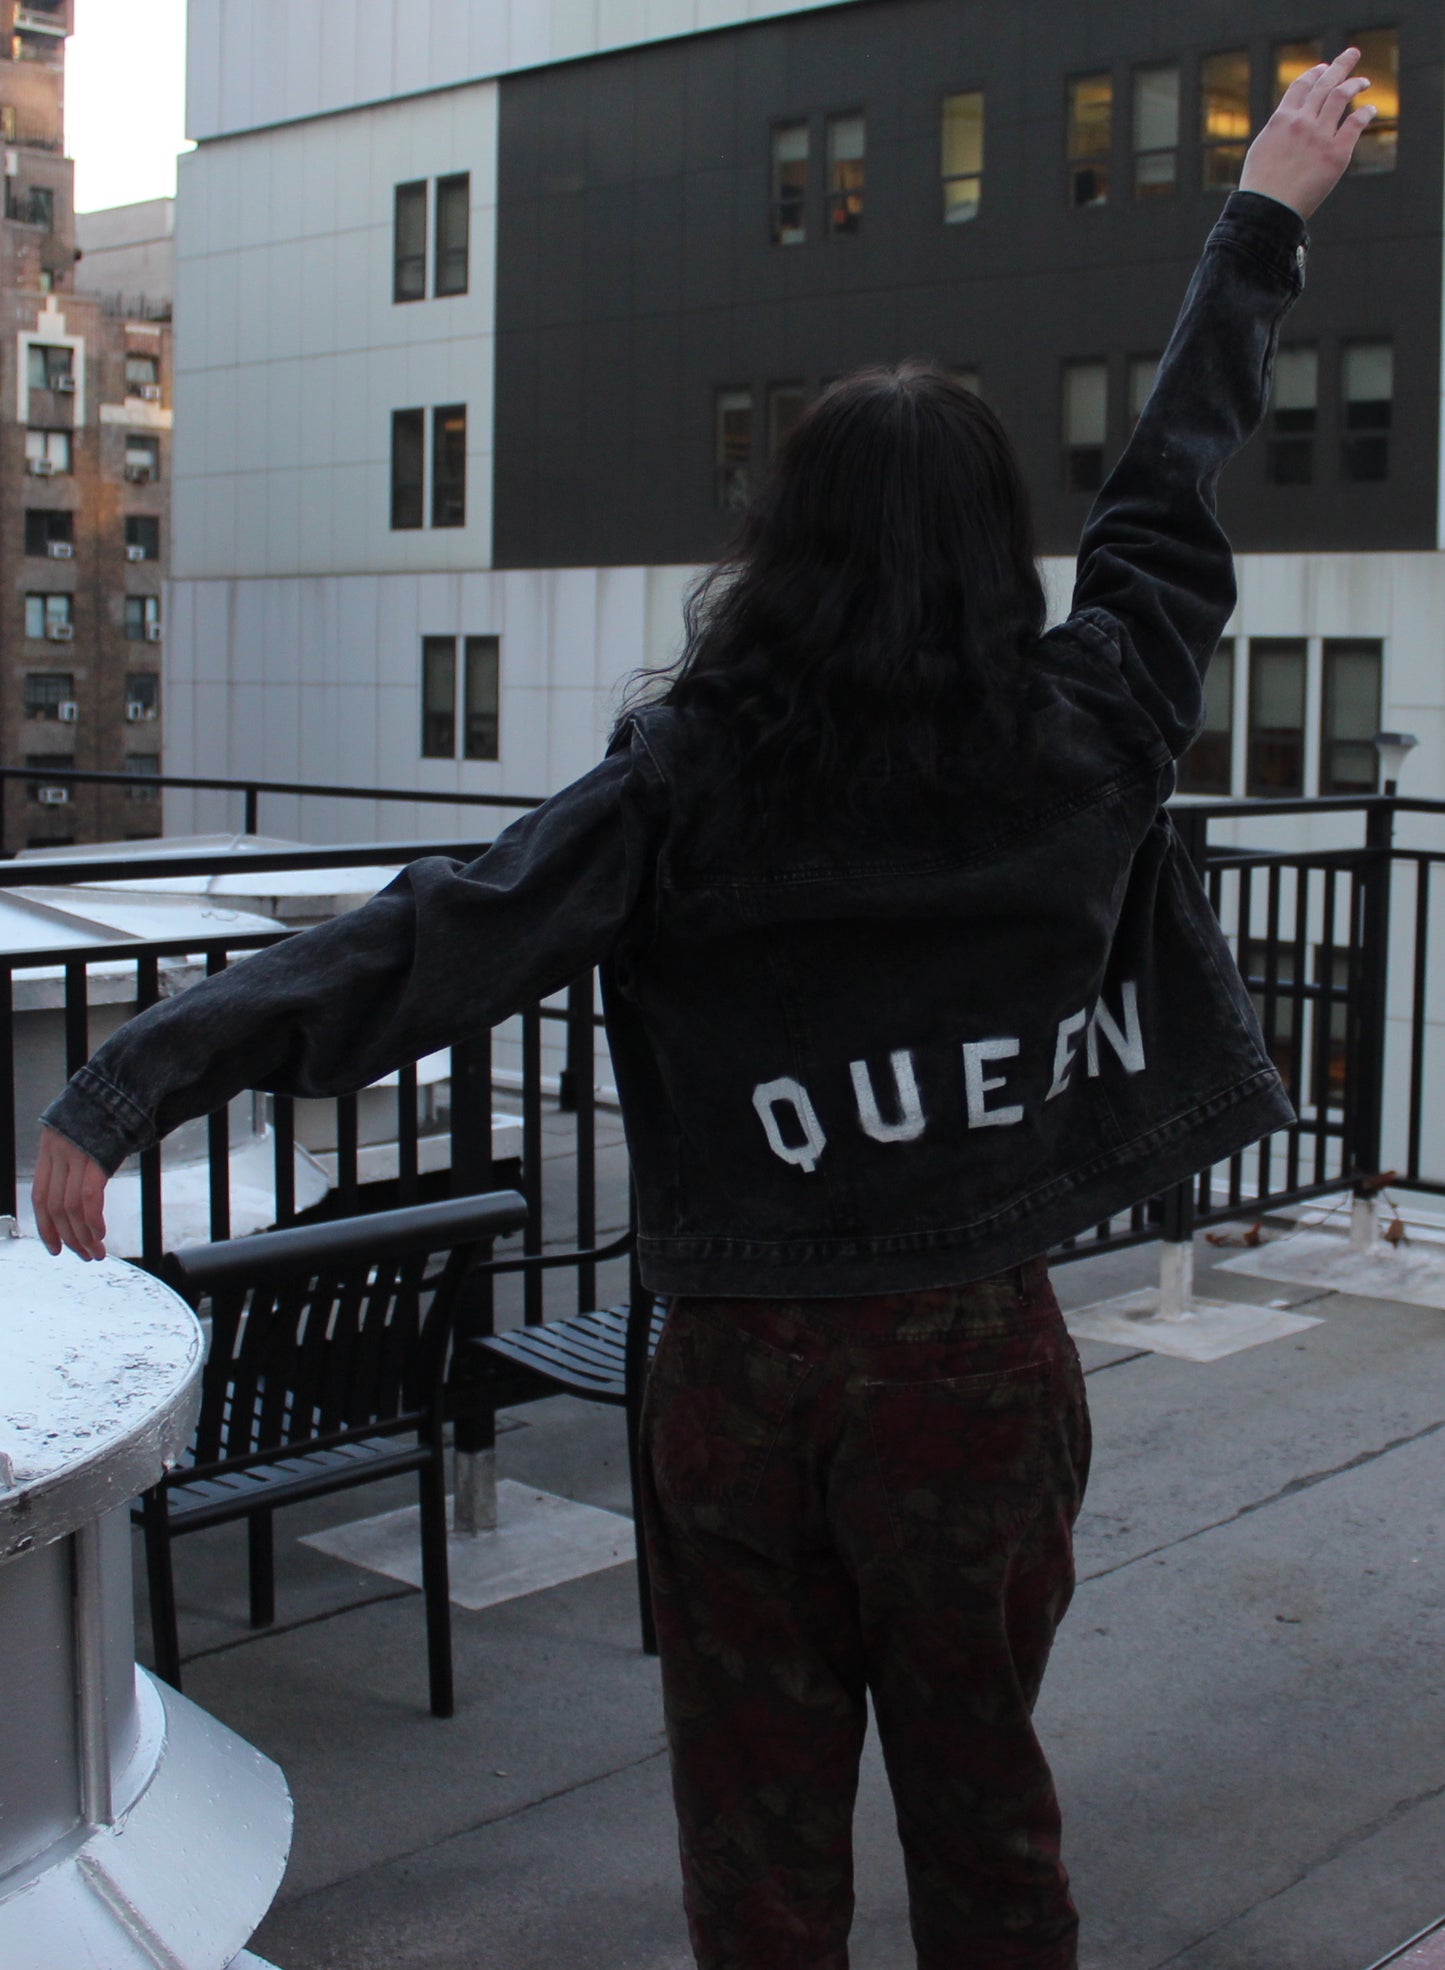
(85, 385)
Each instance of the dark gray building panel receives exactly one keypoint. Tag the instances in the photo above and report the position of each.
(636, 275)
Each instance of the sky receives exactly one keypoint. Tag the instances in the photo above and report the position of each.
(125, 99)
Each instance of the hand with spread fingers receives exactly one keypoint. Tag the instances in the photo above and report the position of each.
(69, 1198)
(1305, 149)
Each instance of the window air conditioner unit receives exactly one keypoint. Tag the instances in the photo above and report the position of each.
(150, 393)
(41, 467)
(68, 711)
(139, 475)
(137, 711)
(134, 553)
(53, 796)
(60, 550)
(64, 386)
(60, 632)
(153, 632)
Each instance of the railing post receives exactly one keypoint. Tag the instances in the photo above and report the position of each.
(250, 824)
(1176, 1250)
(1368, 1065)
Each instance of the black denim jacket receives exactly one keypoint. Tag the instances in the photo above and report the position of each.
(898, 1065)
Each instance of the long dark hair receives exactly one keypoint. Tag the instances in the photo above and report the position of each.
(866, 628)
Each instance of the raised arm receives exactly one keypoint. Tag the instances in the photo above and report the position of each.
(1155, 569)
(443, 952)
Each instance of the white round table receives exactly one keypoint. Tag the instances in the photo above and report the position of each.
(135, 1830)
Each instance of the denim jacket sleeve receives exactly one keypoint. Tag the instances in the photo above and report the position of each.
(1156, 575)
(444, 951)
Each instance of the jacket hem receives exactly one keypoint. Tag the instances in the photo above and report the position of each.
(827, 1267)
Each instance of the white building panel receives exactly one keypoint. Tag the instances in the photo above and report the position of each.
(297, 354)
(255, 63)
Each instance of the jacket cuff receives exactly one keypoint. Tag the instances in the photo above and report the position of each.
(1270, 230)
(92, 1113)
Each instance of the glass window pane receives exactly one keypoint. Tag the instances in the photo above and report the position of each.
(449, 466)
(1156, 108)
(1367, 371)
(1086, 420)
(1090, 138)
(733, 448)
(1294, 415)
(143, 688)
(962, 156)
(1291, 60)
(409, 277)
(35, 615)
(1380, 60)
(1276, 717)
(790, 184)
(453, 224)
(785, 407)
(1207, 767)
(1351, 709)
(846, 142)
(1142, 372)
(1224, 117)
(481, 697)
(1297, 380)
(407, 480)
(438, 697)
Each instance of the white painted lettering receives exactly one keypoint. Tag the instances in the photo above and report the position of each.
(768, 1097)
(976, 1087)
(1129, 1045)
(1064, 1053)
(910, 1122)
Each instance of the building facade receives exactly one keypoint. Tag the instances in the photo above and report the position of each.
(84, 461)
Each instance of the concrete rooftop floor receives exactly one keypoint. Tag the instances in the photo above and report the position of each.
(1245, 1708)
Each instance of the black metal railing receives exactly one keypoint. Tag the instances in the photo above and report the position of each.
(1334, 942)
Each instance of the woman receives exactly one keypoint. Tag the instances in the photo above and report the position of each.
(905, 980)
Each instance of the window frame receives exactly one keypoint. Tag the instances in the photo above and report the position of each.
(733, 475)
(963, 212)
(1146, 192)
(139, 614)
(444, 253)
(45, 707)
(56, 607)
(1233, 146)
(843, 207)
(1259, 738)
(1080, 161)
(1091, 477)
(1219, 693)
(1382, 139)
(1362, 437)
(439, 741)
(408, 495)
(448, 466)
(135, 525)
(414, 259)
(1332, 650)
(780, 232)
(481, 724)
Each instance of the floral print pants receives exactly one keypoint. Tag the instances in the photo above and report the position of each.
(855, 1498)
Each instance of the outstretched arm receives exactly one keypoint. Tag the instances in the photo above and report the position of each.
(1154, 562)
(445, 951)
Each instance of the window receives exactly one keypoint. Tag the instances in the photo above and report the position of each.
(454, 200)
(1368, 383)
(142, 373)
(1325, 1004)
(35, 206)
(1224, 117)
(49, 368)
(142, 460)
(47, 451)
(45, 615)
(439, 697)
(1276, 749)
(733, 449)
(1156, 132)
(1292, 59)
(1379, 146)
(408, 281)
(789, 200)
(143, 531)
(42, 528)
(481, 698)
(1086, 423)
(1208, 766)
(1293, 417)
(1142, 373)
(49, 763)
(46, 691)
(408, 478)
(846, 141)
(962, 157)
(449, 466)
(142, 618)
(785, 407)
(145, 766)
(1091, 138)
(142, 694)
(1351, 708)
